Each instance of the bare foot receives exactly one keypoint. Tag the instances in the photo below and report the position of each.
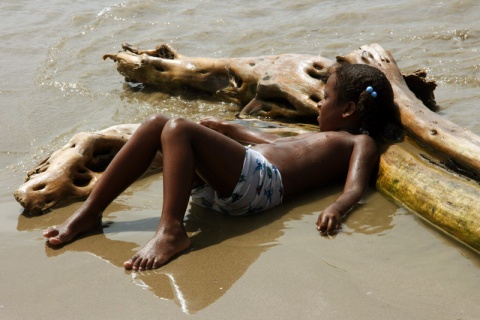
(159, 250)
(79, 222)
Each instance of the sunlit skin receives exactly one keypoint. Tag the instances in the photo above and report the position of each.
(191, 155)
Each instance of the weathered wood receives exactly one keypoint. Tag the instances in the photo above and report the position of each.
(72, 171)
(286, 85)
(418, 181)
(279, 86)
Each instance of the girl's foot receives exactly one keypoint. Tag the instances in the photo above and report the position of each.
(159, 250)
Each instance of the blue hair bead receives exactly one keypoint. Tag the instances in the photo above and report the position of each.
(372, 93)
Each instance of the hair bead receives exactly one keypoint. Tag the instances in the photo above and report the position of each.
(372, 93)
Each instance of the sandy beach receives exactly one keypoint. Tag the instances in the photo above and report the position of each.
(386, 263)
(389, 265)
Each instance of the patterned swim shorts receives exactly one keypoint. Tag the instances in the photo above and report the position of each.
(258, 188)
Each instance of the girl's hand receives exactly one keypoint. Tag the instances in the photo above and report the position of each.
(329, 221)
(211, 122)
(214, 123)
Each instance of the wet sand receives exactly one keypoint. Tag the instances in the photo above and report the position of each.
(385, 264)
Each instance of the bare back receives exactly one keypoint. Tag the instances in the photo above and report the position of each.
(317, 159)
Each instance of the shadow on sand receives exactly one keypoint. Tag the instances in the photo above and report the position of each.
(223, 247)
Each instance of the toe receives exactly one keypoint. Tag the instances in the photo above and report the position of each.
(149, 264)
(136, 263)
(57, 237)
(50, 232)
(143, 264)
(156, 264)
(128, 264)
(132, 264)
(55, 241)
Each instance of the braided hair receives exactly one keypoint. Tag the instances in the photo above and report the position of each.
(374, 104)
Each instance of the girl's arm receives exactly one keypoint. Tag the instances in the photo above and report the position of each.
(239, 132)
(362, 163)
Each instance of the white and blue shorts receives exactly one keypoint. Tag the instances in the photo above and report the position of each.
(258, 188)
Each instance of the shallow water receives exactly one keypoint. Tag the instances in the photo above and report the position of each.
(55, 84)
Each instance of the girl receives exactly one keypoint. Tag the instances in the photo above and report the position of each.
(204, 161)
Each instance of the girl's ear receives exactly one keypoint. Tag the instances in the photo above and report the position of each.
(349, 109)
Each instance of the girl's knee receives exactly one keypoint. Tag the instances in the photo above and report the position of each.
(179, 125)
(179, 128)
(154, 125)
(156, 120)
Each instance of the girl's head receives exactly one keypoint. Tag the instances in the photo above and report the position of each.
(365, 89)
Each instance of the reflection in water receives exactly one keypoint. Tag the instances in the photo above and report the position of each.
(223, 247)
(370, 217)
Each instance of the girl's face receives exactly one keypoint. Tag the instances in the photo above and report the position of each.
(330, 112)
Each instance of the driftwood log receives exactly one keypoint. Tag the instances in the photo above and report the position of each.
(433, 172)
(72, 171)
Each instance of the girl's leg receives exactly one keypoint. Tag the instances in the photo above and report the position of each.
(188, 149)
(128, 165)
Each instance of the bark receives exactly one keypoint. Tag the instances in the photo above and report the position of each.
(418, 181)
(289, 86)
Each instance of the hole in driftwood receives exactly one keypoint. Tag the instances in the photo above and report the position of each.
(101, 159)
(315, 98)
(82, 181)
(39, 187)
(234, 79)
(159, 69)
(82, 170)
